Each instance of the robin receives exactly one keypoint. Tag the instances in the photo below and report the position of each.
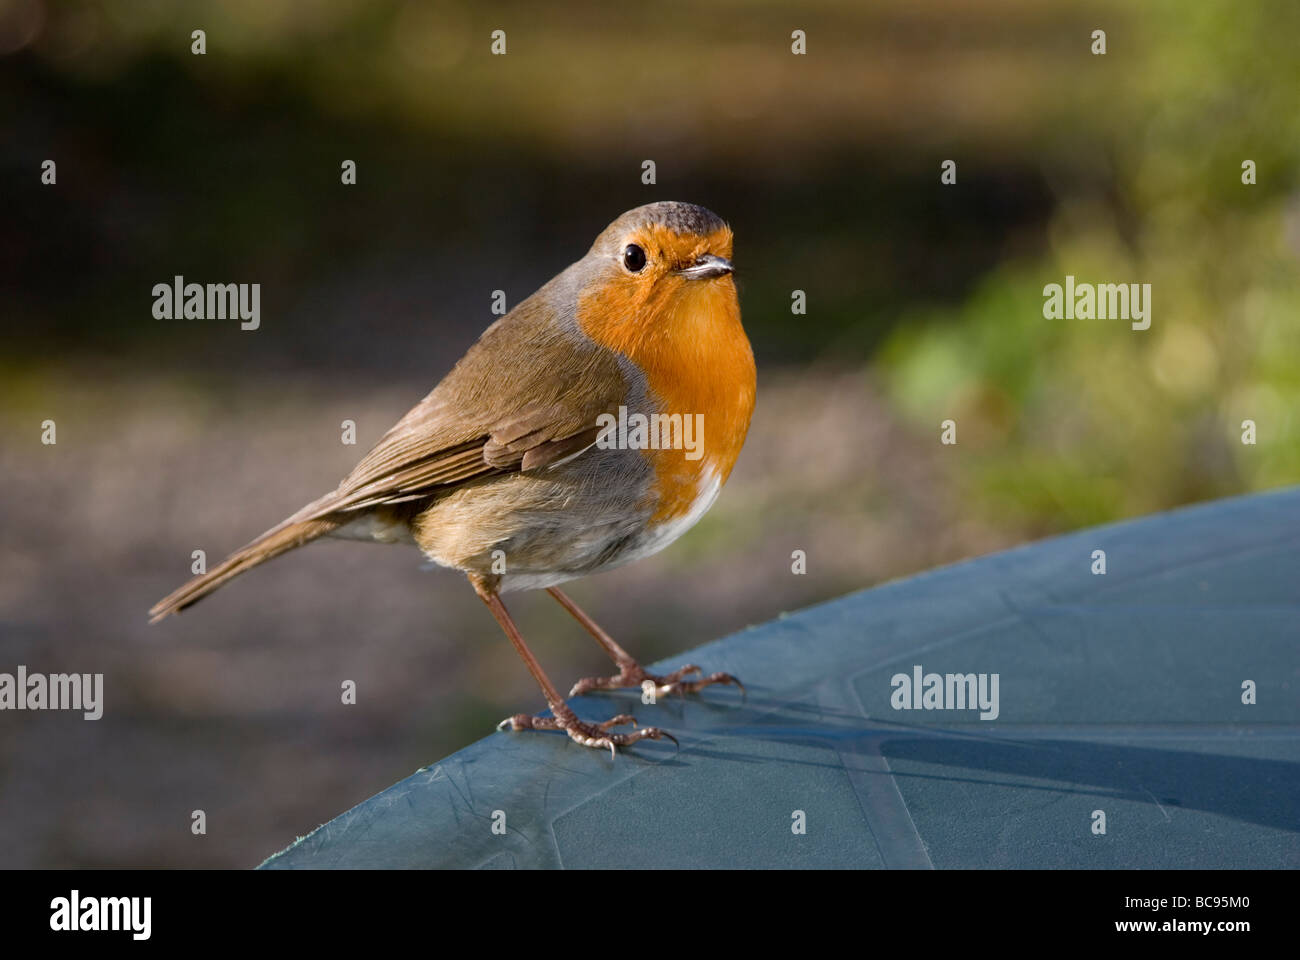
(590, 426)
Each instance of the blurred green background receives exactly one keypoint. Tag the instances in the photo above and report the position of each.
(480, 172)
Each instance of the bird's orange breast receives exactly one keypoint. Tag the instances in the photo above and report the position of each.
(686, 338)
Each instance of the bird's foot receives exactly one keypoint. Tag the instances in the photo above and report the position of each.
(633, 675)
(588, 734)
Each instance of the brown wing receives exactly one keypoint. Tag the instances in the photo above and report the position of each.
(526, 395)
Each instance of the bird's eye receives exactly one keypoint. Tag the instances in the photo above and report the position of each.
(634, 258)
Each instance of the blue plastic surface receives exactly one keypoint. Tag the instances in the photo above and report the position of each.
(1120, 695)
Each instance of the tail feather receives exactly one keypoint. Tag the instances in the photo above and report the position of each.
(280, 539)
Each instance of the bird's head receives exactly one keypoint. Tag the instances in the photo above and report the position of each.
(661, 271)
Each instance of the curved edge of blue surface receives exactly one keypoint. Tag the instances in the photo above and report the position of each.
(1121, 703)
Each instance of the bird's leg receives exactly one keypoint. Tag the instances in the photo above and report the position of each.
(630, 673)
(588, 734)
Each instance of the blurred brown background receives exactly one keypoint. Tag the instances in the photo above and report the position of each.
(478, 172)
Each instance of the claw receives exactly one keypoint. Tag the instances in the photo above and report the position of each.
(518, 721)
(632, 675)
(621, 719)
(588, 734)
(731, 678)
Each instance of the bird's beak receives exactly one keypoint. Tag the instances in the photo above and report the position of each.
(706, 267)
